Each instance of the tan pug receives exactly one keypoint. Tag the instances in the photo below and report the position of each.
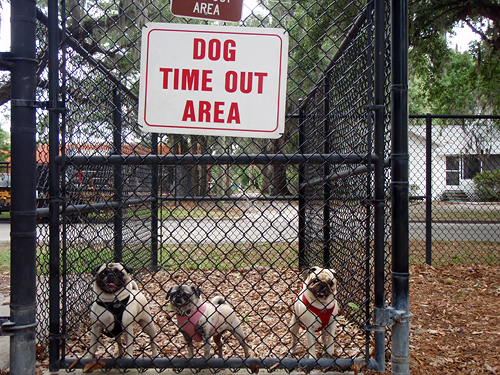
(315, 309)
(199, 320)
(119, 304)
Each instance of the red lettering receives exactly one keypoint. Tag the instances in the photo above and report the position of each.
(248, 88)
(176, 79)
(214, 49)
(260, 82)
(218, 112)
(189, 111)
(234, 114)
(231, 81)
(205, 80)
(190, 79)
(229, 54)
(165, 72)
(198, 49)
(204, 110)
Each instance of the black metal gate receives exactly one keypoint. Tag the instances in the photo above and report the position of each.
(236, 217)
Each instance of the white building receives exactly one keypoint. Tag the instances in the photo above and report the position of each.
(458, 154)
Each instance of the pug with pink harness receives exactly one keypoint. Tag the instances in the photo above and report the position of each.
(199, 321)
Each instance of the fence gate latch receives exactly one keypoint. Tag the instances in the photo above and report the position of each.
(8, 328)
(386, 316)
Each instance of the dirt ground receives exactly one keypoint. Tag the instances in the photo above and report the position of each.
(455, 328)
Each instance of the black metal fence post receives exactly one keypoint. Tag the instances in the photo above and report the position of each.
(54, 189)
(379, 184)
(326, 173)
(23, 188)
(428, 190)
(118, 175)
(302, 197)
(400, 356)
(154, 204)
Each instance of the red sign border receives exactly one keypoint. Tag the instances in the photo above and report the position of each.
(204, 127)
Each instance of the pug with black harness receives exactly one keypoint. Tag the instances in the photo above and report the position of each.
(119, 304)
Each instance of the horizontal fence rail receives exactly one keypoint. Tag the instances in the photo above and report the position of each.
(216, 159)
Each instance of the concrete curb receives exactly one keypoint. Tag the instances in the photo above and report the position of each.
(201, 372)
(4, 340)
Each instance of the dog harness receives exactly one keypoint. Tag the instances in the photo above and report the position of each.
(324, 315)
(188, 323)
(116, 308)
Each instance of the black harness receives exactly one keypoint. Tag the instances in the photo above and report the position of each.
(116, 308)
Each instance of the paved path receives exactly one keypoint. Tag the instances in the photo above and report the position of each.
(4, 340)
(457, 231)
(4, 231)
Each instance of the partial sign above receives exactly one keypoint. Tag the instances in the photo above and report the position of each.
(222, 10)
(213, 80)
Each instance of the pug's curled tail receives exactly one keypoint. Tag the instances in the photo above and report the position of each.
(219, 300)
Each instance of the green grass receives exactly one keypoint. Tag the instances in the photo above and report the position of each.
(229, 256)
(182, 213)
(4, 257)
(83, 259)
(456, 252)
(174, 213)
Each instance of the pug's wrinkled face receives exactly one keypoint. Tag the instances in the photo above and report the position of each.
(112, 277)
(181, 297)
(321, 282)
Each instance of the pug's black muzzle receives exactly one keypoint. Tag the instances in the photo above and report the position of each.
(321, 290)
(110, 281)
(180, 300)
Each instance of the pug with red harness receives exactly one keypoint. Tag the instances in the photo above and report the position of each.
(315, 309)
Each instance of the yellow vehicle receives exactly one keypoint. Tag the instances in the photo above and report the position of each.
(5, 192)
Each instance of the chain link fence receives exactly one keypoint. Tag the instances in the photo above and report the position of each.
(454, 185)
(234, 217)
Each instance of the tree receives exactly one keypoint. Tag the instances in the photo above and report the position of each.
(4, 145)
(433, 18)
(445, 81)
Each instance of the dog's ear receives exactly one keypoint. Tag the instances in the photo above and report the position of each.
(308, 271)
(127, 268)
(94, 271)
(170, 292)
(337, 276)
(197, 291)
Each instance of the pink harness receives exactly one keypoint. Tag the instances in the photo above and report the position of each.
(324, 315)
(188, 323)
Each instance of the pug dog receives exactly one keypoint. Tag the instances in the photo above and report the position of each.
(119, 304)
(199, 321)
(315, 309)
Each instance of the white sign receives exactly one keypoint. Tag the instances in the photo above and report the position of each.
(213, 80)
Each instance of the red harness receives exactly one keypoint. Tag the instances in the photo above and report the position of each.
(324, 315)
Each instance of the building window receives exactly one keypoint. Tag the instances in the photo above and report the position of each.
(452, 170)
(472, 166)
(491, 163)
